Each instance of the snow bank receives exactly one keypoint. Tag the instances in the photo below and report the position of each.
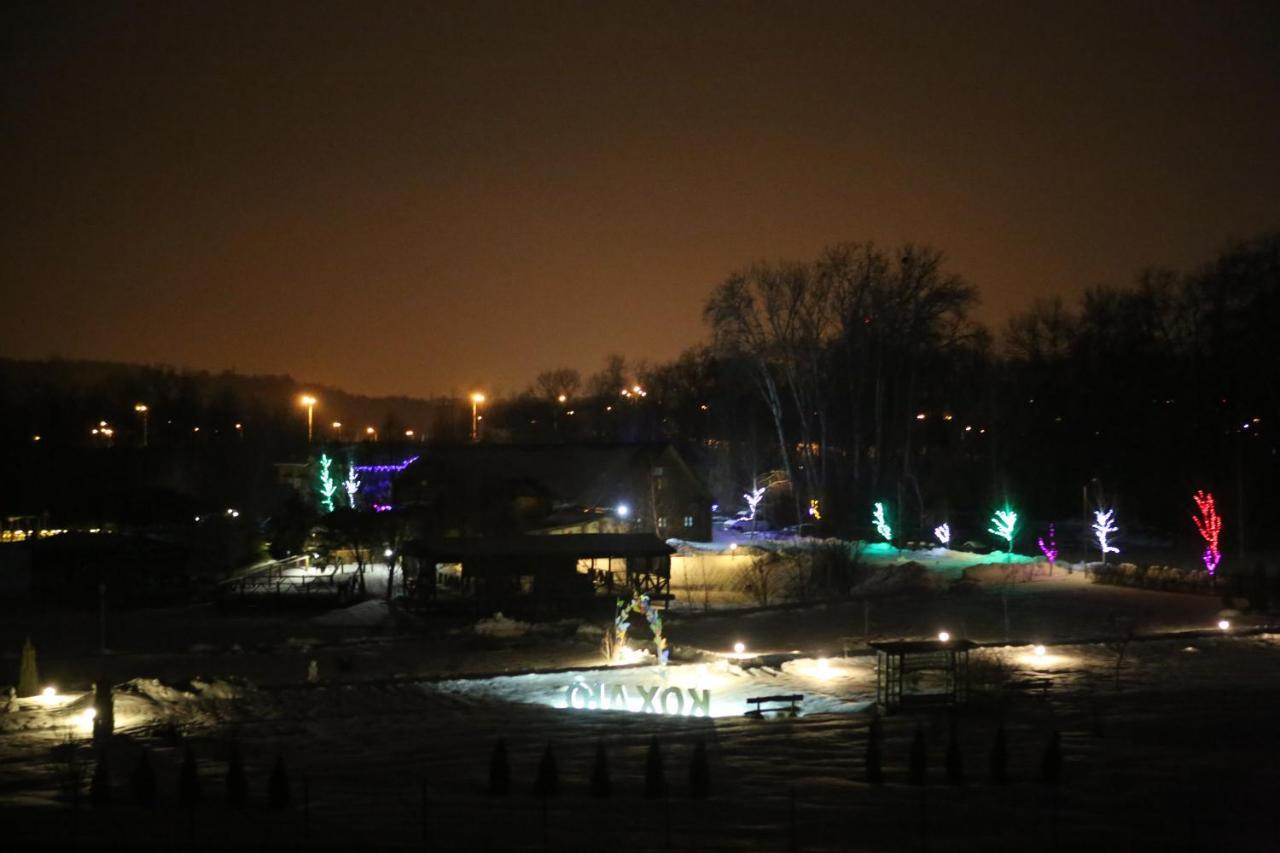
(500, 627)
(366, 614)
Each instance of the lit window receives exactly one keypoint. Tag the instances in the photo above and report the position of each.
(662, 521)
(688, 521)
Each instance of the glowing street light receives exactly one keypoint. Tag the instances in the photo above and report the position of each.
(310, 402)
(943, 636)
(1224, 625)
(623, 510)
(371, 433)
(562, 398)
(143, 410)
(476, 399)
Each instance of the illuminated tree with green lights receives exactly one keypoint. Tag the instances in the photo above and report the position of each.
(328, 488)
(1005, 525)
(881, 522)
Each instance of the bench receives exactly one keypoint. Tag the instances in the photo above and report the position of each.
(791, 700)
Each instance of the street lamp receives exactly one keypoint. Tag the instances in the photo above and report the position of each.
(310, 402)
(476, 399)
(371, 433)
(141, 408)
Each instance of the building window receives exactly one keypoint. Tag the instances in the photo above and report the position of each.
(688, 521)
(662, 521)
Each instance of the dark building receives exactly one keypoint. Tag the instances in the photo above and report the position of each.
(504, 489)
(536, 575)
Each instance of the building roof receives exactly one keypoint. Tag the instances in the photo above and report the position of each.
(574, 545)
(585, 475)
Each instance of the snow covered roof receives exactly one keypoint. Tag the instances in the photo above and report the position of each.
(577, 545)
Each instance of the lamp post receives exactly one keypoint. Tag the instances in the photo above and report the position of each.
(141, 409)
(337, 430)
(476, 399)
(371, 433)
(310, 402)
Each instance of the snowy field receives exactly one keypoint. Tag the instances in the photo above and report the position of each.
(1168, 741)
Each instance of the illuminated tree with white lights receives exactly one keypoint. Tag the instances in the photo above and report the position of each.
(943, 533)
(352, 485)
(1103, 527)
(753, 500)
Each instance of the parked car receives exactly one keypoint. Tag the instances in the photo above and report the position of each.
(800, 530)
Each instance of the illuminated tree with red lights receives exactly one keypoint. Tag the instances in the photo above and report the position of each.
(1209, 523)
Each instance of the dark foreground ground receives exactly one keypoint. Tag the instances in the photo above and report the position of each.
(1182, 755)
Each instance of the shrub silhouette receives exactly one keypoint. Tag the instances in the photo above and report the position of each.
(699, 772)
(237, 785)
(1051, 764)
(600, 784)
(548, 774)
(100, 785)
(499, 770)
(919, 759)
(143, 780)
(189, 794)
(955, 760)
(875, 737)
(655, 780)
(999, 758)
(278, 785)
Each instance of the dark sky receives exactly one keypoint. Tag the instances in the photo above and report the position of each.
(418, 198)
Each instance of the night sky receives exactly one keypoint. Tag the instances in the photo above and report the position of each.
(420, 198)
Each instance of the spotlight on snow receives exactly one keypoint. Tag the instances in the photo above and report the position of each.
(1039, 651)
(1224, 625)
(823, 664)
(623, 510)
(733, 546)
(739, 648)
(943, 636)
(88, 714)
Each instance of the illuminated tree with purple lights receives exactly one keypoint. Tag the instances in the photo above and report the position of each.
(1209, 523)
(1049, 548)
(1103, 526)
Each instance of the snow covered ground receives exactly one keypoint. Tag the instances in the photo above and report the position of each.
(1167, 743)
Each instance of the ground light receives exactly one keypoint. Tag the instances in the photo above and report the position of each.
(1038, 651)
(739, 648)
(943, 636)
(49, 692)
(1224, 624)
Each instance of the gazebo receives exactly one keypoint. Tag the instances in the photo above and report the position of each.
(921, 672)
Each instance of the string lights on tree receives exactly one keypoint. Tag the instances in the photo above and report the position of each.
(1005, 525)
(1103, 526)
(943, 534)
(1209, 523)
(1049, 548)
(351, 485)
(881, 522)
(753, 502)
(327, 487)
